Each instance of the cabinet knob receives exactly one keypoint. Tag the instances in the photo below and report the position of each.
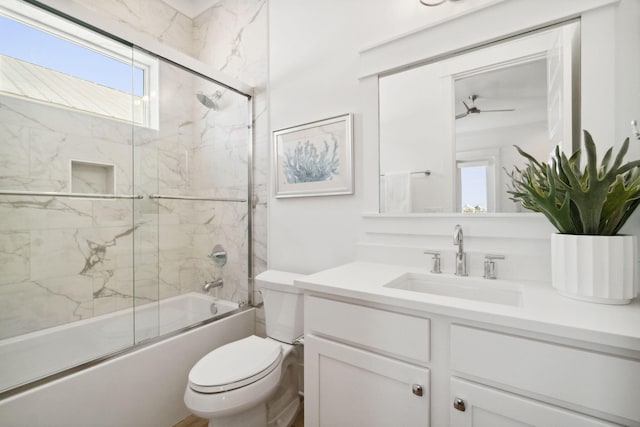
(417, 389)
(459, 404)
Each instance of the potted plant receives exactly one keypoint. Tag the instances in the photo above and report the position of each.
(589, 259)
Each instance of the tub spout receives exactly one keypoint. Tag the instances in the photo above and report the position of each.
(217, 283)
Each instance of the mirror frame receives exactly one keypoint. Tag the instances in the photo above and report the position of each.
(496, 21)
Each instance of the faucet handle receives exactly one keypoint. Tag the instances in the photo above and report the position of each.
(435, 267)
(490, 266)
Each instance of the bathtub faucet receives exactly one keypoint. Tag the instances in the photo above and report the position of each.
(217, 283)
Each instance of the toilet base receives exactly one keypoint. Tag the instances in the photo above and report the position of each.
(288, 416)
(258, 416)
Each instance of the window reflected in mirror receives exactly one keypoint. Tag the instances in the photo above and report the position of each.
(473, 179)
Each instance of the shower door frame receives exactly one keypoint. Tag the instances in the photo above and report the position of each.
(135, 40)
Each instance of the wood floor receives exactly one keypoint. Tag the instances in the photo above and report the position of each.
(193, 421)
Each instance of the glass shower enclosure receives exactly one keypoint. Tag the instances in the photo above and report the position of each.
(120, 171)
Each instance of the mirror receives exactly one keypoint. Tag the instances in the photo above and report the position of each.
(447, 128)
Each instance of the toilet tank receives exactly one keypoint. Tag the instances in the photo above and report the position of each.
(283, 305)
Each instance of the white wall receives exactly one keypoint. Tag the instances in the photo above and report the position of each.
(314, 70)
(313, 74)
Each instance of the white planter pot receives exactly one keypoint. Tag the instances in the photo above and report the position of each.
(600, 269)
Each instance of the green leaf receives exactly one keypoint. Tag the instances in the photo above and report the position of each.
(597, 199)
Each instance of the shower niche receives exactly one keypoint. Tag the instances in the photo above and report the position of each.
(92, 178)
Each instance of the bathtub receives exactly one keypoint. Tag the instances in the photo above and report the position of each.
(128, 369)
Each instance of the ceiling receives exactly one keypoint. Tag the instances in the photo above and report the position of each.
(522, 87)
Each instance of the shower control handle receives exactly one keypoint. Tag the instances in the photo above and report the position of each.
(218, 255)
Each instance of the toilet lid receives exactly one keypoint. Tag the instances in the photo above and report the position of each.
(235, 365)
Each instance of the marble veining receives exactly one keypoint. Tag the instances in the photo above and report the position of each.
(68, 259)
(149, 16)
(233, 36)
(97, 251)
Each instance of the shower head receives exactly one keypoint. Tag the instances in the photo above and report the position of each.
(210, 102)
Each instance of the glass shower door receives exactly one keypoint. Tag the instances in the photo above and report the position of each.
(66, 194)
(119, 173)
(192, 166)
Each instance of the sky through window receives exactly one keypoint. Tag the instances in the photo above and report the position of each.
(33, 45)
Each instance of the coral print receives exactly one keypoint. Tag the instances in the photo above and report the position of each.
(306, 164)
(314, 159)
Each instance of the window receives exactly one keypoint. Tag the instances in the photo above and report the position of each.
(473, 187)
(47, 59)
(476, 186)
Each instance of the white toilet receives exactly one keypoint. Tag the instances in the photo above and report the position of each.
(253, 382)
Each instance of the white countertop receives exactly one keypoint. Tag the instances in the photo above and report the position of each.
(543, 310)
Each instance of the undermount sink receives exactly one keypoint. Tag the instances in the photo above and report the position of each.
(460, 287)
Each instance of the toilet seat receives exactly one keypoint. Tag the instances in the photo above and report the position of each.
(235, 365)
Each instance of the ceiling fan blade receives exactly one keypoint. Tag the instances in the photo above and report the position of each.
(461, 115)
(498, 110)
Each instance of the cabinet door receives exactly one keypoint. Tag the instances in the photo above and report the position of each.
(346, 386)
(480, 406)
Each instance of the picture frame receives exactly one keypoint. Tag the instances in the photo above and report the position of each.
(314, 159)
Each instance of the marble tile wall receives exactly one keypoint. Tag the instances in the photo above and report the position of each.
(153, 17)
(68, 259)
(232, 36)
(62, 259)
(200, 152)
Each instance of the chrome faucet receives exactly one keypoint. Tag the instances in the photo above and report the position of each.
(212, 284)
(461, 257)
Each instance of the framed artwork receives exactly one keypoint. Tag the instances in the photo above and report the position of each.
(314, 159)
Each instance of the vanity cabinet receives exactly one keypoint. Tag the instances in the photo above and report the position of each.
(368, 365)
(474, 405)
(356, 375)
(568, 376)
(347, 386)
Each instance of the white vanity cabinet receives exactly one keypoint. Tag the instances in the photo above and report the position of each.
(474, 405)
(591, 380)
(368, 364)
(364, 366)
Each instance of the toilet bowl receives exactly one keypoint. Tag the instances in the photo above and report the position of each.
(253, 382)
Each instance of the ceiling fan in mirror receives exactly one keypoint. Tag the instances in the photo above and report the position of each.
(472, 108)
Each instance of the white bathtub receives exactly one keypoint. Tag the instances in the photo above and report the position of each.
(141, 388)
(35, 355)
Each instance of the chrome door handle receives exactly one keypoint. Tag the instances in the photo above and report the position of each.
(459, 404)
